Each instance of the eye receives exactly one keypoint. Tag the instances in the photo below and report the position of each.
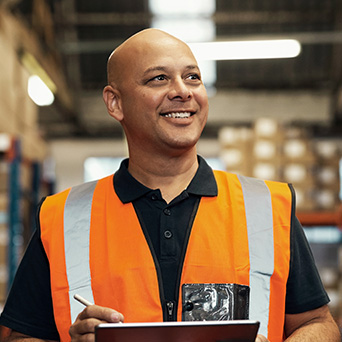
(158, 78)
(194, 76)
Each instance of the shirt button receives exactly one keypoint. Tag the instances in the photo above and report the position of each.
(167, 212)
(168, 234)
(154, 197)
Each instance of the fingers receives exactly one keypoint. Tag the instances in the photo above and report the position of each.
(84, 327)
(261, 338)
(101, 313)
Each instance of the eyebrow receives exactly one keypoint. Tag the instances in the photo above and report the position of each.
(162, 68)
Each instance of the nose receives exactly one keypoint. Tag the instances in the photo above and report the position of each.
(179, 90)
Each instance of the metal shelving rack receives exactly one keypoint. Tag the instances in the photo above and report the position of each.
(15, 226)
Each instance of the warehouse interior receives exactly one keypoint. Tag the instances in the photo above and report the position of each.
(273, 118)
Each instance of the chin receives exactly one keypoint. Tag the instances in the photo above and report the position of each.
(181, 145)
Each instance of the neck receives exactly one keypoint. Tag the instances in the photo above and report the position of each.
(171, 175)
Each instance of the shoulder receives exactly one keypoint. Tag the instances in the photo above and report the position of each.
(250, 182)
(75, 192)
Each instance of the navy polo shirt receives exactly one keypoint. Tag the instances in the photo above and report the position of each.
(165, 225)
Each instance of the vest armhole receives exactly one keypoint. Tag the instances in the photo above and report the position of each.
(39, 207)
(293, 203)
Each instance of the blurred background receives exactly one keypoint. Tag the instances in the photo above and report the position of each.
(271, 117)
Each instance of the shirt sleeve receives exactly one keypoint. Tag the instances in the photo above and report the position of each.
(304, 290)
(28, 308)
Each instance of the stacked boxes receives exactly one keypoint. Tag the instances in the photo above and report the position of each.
(327, 173)
(289, 154)
(236, 143)
(298, 162)
(267, 140)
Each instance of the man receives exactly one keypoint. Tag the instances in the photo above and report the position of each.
(129, 242)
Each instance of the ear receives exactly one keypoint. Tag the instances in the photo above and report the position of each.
(112, 99)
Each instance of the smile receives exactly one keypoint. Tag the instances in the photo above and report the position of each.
(178, 115)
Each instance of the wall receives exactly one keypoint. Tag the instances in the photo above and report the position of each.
(19, 114)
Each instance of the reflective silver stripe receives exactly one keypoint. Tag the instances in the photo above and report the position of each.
(258, 206)
(77, 213)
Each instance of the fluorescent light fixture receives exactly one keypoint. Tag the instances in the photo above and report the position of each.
(253, 49)
(39, 92)
(189, 30)
(190, 21)
(166, 8)
(5, 142)
(34, 68)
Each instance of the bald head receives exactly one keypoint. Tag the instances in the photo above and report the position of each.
(153, 77)
(126, 55)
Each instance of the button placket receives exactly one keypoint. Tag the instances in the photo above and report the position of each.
(167, 242)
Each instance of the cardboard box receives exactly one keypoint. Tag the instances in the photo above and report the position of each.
(4, 235)
(266, 128)
(3, 255)
(327, 199)
(235, 161)
(3, 201)
(236, 143)
(234, 136)
(297, 149)
(329, 276)
(327, 149)
(305, 198)
(32, 145)
(4, 178)
(26, 175)
(265, 149)
(265, 170)
(3, 282)
(299, 173)
(327, 175)
(232, 157)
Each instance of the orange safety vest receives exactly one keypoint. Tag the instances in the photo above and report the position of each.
(96, 247)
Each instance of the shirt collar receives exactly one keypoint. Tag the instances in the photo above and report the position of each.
(129, 189)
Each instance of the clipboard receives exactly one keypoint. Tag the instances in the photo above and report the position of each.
(197, 331)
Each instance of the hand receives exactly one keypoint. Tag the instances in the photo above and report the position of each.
(83, 328)
(261, 338)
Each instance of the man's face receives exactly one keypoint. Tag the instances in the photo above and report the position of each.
(164, 102)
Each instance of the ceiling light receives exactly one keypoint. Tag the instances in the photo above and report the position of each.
(190, 30)
(34, 68)
(180, 7)
(254, 49)
(39, 92)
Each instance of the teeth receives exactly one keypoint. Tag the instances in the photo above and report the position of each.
(180, 115)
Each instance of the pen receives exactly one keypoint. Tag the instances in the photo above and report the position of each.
(82, 300)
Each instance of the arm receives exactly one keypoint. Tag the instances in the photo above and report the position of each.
(83, 328)
(18, 337)
(313, 325)
(310, 326)
(28, 309)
